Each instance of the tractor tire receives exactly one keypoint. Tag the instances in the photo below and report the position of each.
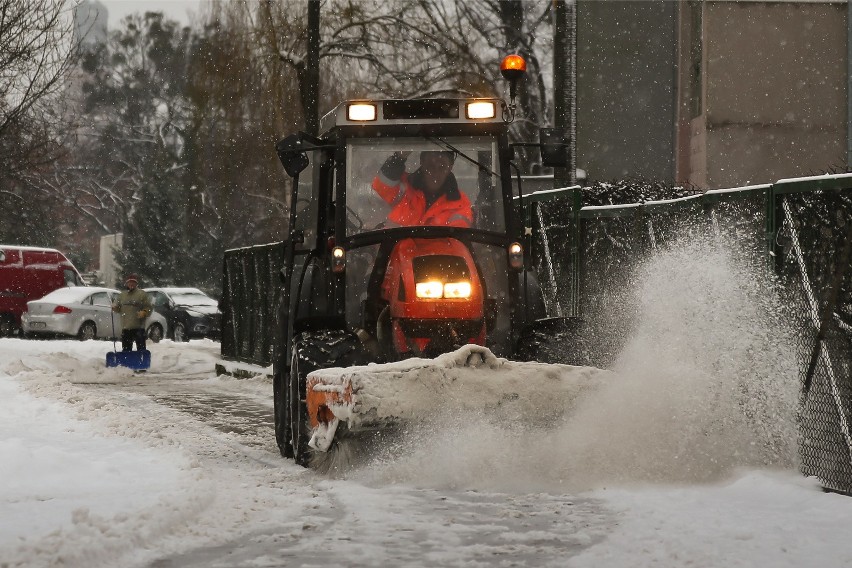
(311, 351)
(281, 400)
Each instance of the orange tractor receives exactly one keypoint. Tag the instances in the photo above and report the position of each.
(405, 241)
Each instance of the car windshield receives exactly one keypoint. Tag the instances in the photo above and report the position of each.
(412, 181)
(192, 299)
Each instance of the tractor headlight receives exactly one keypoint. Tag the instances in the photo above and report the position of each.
(457, 290)
(429, 289)
(434, 289)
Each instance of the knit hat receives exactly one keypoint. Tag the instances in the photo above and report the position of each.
(132, 277)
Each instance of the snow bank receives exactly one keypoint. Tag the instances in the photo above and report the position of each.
(86, 479)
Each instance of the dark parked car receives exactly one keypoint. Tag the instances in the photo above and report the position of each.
(190, 313)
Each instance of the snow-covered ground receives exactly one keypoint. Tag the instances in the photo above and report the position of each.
(89, 482)
(683, 458)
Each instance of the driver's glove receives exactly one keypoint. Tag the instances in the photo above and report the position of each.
(394, 166)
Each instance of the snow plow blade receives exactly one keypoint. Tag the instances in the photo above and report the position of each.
(470, 379)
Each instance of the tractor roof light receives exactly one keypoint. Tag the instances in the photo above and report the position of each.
(361, 112)
(513, 68)
(481, 109)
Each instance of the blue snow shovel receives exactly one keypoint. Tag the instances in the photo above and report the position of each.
(136, 360)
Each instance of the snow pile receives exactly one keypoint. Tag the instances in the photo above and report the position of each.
(78, 468)
(84, 361)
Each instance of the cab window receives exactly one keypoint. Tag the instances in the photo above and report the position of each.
(473, 165)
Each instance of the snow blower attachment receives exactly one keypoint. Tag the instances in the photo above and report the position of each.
(405, 241)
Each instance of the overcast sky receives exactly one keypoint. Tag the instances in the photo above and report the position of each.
(179, 10)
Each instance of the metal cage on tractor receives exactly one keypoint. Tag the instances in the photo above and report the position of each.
(358, 287)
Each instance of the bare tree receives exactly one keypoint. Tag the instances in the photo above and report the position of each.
(406, 49)
(35, 55)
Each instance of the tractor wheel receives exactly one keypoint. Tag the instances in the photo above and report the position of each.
(312, 351)
(281, 401)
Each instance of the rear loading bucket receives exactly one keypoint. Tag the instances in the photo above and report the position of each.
(137, 360)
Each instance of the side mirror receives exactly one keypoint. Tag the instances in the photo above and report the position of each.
(292, 155)
(554, 147)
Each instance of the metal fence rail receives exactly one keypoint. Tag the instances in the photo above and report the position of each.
(815, 217)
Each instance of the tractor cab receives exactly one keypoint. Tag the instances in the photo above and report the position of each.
(404, 229)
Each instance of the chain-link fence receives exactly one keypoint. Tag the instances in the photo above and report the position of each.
(812, 251)
(588, 258)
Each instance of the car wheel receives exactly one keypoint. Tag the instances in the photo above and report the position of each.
(180, 332)
(87, 331)
(155, 332)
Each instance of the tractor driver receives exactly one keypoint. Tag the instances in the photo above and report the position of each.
(428, 196)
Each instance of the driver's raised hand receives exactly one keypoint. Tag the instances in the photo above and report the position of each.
(394, 166)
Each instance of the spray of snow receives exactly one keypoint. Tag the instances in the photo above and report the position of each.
(706, 386)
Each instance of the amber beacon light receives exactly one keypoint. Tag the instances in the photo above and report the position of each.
(513, 68)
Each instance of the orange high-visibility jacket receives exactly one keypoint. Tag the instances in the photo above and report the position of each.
(408, 203)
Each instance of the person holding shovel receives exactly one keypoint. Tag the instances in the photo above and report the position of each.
(134, 305)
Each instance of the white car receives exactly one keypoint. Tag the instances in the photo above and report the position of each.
(81, 311)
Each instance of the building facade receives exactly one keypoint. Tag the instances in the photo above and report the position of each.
(713, 93)
(763, 90)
